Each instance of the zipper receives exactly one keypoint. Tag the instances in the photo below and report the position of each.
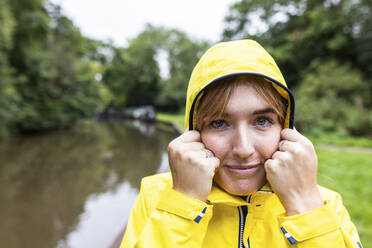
(243, 211)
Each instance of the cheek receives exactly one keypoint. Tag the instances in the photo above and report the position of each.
(218, 144)
(269, 144)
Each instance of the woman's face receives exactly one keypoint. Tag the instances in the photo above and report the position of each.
(243, 139)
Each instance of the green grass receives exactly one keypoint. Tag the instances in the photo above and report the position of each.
(341, 141)
(172, 118)
(350, 174)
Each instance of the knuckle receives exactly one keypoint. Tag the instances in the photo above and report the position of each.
(174, 149)
(205, 169)
(268, 164)
(286, 131)
(301, 150)
(306, 141)
(200, 145)
(195, 134)
(281, 156)
(309, 144)
(215, 162)
(171, 148)
(294, 149)
(171, 144)
(174, 143)
(287, 156)
(189, 157)
(269, 168)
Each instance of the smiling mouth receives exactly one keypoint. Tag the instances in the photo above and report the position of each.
(242, 170)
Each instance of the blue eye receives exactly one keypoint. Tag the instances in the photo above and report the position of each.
(263, 122)
(218, 124)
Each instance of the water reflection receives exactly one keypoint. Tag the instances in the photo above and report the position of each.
(75, 188)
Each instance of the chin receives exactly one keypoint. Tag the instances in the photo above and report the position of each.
(240, 187)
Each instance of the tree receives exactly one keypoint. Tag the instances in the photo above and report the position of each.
(54, 78)
(330, 99)
(310, 39)
(8, 95)
(296, 32)
(134, 74)
(183, 54)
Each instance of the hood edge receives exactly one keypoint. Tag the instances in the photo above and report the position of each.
(290, 94)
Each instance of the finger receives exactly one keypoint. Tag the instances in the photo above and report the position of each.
(188, 136)
(293, 135)
(194, 157)
(271, 166)
(281, 156)
(290, 134)
(213, 162)
(199, 153)
(192, 146)
(208, 153)
(287, 146)
(210, 165)
(202, 153)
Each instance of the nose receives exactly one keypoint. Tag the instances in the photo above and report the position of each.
(243, 145)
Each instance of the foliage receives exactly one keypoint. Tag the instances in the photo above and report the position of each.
(8, 96)
(306, 29)
(47, 69)
(51, 74)
(183, 53)
(331, 99)
(304, 36)
(134, 74)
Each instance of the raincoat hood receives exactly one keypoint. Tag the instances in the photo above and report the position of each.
(242, 57)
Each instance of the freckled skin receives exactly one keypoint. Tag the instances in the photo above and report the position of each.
(245, 139)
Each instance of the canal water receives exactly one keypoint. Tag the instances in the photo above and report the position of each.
(75, 188)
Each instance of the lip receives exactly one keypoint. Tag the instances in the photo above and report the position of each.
(243, 170)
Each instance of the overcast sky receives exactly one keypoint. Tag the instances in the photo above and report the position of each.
(120, 20)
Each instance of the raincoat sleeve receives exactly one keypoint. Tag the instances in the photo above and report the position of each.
(166, 218)
(327, 226)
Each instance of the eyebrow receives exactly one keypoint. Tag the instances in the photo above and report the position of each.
(256, 112)
(264, 111)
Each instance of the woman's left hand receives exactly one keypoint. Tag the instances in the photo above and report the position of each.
(292, 173)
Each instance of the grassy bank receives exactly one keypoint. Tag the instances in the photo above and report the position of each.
(350, 174)
(172, 118)
(341, 141)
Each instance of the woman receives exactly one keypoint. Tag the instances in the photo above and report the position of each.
(241, 176)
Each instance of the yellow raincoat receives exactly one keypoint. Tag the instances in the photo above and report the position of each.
(163, 217)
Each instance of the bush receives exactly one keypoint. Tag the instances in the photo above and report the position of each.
(333, 98)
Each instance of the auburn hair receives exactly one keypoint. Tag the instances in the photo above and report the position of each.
(215, 98)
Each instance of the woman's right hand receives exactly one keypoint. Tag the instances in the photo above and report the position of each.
(192, 169)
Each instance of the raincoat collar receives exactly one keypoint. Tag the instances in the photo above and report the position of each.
(219, 196)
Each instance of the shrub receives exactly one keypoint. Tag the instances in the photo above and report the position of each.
(332, 97)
